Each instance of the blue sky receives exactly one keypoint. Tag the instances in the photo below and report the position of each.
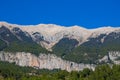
(86, 13)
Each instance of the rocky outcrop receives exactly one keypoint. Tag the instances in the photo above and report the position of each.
(104, 59)
(43, 61)
(115, 56)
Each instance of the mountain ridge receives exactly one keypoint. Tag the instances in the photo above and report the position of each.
(7, 23)
(53, 33)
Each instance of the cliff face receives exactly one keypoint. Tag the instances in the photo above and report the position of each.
(50, 61)
(43, 61)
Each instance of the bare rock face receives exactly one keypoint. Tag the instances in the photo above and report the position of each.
(104, 59)
(42, 61)
(115, 56)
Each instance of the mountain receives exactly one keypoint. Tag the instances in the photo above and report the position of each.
(51, 34)
(75, 43)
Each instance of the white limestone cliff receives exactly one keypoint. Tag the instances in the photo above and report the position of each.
(43, 61)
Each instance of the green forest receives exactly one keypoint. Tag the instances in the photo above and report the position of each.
(10, 71)
(25, 47)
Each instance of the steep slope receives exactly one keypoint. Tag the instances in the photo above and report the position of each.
(51, 34)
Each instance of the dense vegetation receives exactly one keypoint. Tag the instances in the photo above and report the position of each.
(64, 46)
(2, 45)
(10, 71)
(25, 47)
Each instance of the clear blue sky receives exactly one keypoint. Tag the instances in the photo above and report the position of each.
(86, 13)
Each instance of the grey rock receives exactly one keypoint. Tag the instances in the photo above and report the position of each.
(43, 61)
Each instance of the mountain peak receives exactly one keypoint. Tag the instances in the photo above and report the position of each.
(52, 33)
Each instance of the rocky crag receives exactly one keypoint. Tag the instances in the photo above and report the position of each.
(43, 61)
